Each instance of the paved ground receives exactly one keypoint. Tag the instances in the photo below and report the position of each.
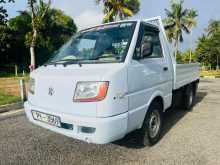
(188, 138)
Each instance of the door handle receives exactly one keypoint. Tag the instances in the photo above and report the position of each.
(165, 68)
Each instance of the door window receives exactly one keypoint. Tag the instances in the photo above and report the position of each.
(148, 44)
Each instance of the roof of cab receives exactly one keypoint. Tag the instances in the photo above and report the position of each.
(122, 21)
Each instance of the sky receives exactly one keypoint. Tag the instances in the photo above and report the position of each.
(87, 13)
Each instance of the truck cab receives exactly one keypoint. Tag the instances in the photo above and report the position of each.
(109, 80)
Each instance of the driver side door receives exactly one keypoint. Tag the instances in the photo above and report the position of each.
(145, 75)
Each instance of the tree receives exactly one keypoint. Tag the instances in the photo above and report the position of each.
(208, 49)
(213, 32)
(176, 23)
(20, 25)
(38, 12)
(213, 27)
(56, 29)
(5, 33)
(179, 57)
(183, 57)
(119, 9)
(57, 25)
(215, 41)
(202, 50)
(191, 23)
(3, 12)
(188, 55)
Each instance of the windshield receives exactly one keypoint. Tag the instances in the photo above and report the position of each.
(102, 44)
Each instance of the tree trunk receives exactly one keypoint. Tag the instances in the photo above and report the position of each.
(32, 49)
(190, 49)
(32, 56)
(176, 46)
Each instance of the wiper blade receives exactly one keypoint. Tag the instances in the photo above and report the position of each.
(100, 57)
(73, 62)
(60, 62)
(55, 62)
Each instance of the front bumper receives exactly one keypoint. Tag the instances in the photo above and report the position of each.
(106, 129)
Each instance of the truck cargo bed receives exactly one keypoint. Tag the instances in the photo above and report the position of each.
(185, 74)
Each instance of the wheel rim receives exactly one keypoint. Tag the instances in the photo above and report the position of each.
(154, 123)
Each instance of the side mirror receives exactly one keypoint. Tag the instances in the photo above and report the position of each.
(146, 49)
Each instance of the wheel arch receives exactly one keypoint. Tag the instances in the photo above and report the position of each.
(156, 97)
(159, 100)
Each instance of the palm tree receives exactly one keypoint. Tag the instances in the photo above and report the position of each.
(215, 39)
(213, 27)
(191, 22)
(38, 12)
(175, 23)
(119, 9)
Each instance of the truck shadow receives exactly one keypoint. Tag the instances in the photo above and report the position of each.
(171, 118)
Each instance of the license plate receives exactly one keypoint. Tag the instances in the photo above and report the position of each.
(46, 118)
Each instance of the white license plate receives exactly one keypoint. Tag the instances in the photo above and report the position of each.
(46, 118)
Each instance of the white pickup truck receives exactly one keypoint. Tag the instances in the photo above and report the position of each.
(110, 80)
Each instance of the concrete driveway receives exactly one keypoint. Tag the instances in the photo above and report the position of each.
(188, 138)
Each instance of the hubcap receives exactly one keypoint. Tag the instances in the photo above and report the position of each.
(154, 124)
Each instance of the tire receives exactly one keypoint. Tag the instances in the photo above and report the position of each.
(150, 132)
(188, 97)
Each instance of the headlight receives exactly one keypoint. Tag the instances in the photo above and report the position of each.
(32, 85)
(90, 91)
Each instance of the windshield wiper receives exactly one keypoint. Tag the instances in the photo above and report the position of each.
(76, 61)
(56, 62)
(63, 62)
(100, 57)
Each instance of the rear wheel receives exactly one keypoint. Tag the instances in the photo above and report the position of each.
(150, 131)
(188, 97)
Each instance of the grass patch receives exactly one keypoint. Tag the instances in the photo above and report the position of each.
(8, 99)
(215, 73)
(15, 78)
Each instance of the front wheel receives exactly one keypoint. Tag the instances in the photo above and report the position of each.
(150, 131)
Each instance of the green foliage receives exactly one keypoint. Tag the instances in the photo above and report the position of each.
(213, 27)
(21, 23)
(3, 12)
(179, 57)
(5, 38)
(5, 33)
(119, 9)
(190, 20)
(56, 29)
(208, 46)
(7, 99)
(186, 56)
